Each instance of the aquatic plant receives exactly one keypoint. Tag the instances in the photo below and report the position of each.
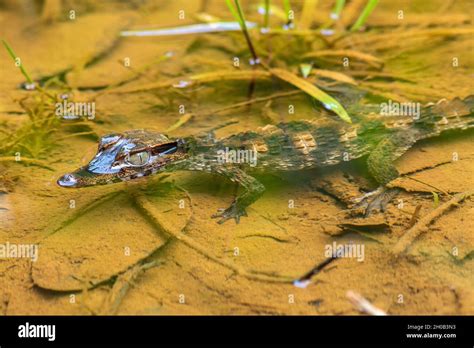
(287, 76)
(322, 53)
(17, 61)
(371, 4)
(239, 15)
(35, 138)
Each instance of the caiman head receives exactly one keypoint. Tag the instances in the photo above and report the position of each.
(126, 156)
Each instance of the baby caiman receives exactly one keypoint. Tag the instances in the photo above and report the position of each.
(291, 146)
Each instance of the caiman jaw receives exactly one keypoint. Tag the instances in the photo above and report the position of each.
(82, 178)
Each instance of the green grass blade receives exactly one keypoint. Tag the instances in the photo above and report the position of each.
(336, 12)
(15, 57)
(266, 20)
(328, 101)
(234, 12)
(239, 14)
(435, 199)
(287, 7)
(365, 14)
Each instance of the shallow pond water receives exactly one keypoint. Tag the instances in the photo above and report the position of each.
(157, 233)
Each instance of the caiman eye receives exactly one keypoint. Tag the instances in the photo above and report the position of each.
(138, 159)
(166, 149)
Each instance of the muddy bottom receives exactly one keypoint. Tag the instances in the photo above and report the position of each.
(150, 247)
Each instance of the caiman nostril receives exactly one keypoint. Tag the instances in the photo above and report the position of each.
(67, 180)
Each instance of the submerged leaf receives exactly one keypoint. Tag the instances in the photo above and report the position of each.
(220, 75)
(215, 27)
(435, 199)
(369, 59)
(334, 75)
(182, 120)
(329, 102)
(230, 75)
(306, 69)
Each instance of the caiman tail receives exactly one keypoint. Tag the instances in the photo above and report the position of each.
(447, 115)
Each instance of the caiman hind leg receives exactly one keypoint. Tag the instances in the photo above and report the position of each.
(382, 169)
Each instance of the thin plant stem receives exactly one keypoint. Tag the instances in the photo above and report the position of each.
(287, 7)
(23, 70)
(15, 59)
(336, 12)
(239, 15)
(233, 11)
(266, 19)
(365, 13)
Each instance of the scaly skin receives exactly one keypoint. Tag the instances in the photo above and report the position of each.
(291, 146)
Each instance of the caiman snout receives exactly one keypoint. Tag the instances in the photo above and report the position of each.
(83, 177)
(67, 180)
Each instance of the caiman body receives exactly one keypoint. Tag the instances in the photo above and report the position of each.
(291, 146)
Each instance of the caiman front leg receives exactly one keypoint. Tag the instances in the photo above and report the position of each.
(382, 169)
(251, 188)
